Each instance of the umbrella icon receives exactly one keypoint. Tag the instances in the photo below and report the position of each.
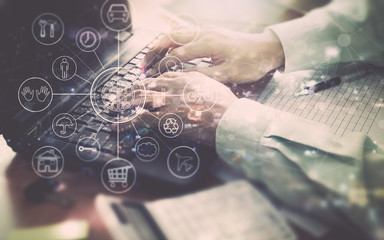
(63, 123)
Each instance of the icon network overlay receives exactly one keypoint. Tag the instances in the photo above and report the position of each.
(35, 94)
(88, 39)
(171, 125)
(88, 149)
(115, 98)
(147, 149)
(48, 29)
(183, 162)
(118, 175)
(64, 125)
(170, 64)
(48, 162)
(199, 96)
(64, 68)
(116, 15)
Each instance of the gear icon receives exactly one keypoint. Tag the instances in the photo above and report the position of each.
(171, 126)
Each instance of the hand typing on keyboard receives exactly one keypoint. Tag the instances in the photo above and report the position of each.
(180, 93)
(236, 57)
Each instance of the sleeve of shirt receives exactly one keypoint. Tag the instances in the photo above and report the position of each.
(343, 31)
(248, 127)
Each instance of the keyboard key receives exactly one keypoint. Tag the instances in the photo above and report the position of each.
(136, 71)
(122, 72)
(86, 104)
(109, 147)
(93, 126)
(129, 66)
(75, 139)
(130, 77)
(145, 50)
(81, 110)
(140, 56)
(85, 118)
(107, 129)
(116, 78)
(135, 61)
(102, 137)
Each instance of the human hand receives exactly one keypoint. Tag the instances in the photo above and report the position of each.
(204, 110)
(27, 93)
(42, 94)
(237, 57)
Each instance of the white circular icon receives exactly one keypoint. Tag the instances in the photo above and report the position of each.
(170, 64)
(88, 39)
(35, 94)
(118, 176)
(64, 68)
(115, 98)
(116, 15)
(147, 149)
(64, 125)
(171, 125)
(185, 31)
(48, 162)
(88, 149)
(48, 29)
(183, 162)
(199, 95)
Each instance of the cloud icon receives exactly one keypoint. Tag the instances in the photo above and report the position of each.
(147, 149)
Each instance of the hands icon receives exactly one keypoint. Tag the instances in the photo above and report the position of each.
(27, 93)
(42, 94)
(35, 94)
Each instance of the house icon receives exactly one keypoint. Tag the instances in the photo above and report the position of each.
(48, 161)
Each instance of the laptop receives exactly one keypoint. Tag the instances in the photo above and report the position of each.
(43, 135)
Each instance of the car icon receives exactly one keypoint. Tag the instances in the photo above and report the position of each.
(118, 12)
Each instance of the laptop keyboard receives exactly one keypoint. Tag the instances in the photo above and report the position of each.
(91, 126)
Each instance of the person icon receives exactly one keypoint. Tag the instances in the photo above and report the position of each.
(64, 67)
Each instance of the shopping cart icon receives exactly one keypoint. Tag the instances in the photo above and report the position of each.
(119, 175)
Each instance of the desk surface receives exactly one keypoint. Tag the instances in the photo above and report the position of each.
(81, 188)
(16, 173)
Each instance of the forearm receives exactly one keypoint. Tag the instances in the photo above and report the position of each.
(344, 31)
(248, 126)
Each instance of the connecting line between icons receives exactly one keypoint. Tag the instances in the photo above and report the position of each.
(118, 140)
(97, 56)
(118, 49)
(83, 115)
(101, 126)
(34, 129)
(82, 78)
(77, 57)
(71, 94)
(152, 115)
(134, 127)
